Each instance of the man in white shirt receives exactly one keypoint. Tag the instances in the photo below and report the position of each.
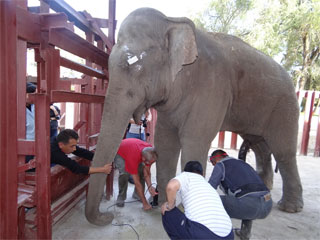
(204, 216)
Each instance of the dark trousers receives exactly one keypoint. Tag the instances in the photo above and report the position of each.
(178, 226)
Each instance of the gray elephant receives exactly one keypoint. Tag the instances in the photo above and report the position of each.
(199, 83)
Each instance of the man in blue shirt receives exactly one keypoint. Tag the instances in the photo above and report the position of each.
(246, 196)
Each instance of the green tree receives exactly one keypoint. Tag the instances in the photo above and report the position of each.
(287, 30)
(224, 16)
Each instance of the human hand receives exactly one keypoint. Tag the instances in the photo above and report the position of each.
(152, 191)
(165, 207)
(107, 168)
(147, 207)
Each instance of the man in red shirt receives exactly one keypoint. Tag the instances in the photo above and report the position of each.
(135, 158)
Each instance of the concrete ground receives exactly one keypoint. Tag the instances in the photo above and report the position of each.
(138, 224)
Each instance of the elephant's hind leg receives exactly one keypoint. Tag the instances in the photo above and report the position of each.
(262, 155)
(281, 137)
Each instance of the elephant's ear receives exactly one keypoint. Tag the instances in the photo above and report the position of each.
(181, 43)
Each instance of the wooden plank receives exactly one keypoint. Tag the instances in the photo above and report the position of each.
(64, 204)
(26, 147)
(71, 42)
(64, 96)
(82, 68)
(26, 195)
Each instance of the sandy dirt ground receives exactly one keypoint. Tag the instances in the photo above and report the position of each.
(147, 225)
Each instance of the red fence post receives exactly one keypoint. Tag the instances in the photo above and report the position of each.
(317, 146)
(221, 140)
(234, 141)
(307, 123)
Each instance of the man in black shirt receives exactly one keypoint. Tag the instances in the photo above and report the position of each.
(66, 143)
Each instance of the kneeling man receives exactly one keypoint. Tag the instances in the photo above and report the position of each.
(204, 216)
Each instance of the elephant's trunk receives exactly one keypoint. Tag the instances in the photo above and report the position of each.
(116, 115)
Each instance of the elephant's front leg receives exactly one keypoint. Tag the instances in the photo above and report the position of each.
(167, 145)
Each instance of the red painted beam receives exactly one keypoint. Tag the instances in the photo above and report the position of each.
(43, 175)
(8, 122)
(64, 96)
(71, 42)
(82, 68)
(112, 22)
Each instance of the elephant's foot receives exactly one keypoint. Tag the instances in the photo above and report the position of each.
(290, 206)
(101, 219)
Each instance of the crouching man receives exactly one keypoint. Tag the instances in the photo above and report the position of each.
(204, 216)
(246, 196)
(135, 158)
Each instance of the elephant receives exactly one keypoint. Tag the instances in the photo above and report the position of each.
(200, 83)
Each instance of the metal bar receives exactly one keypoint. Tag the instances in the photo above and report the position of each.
(71, 42)
(82, 68)
(8, 121)
(64, 96)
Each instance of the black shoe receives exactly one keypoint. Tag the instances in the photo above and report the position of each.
(131, 180)
(245, 232)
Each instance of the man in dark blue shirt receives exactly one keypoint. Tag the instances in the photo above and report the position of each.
(246, 196)
(66, 143)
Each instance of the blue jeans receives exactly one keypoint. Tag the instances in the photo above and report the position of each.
(178, 226)
(140, 136)
(249, 207)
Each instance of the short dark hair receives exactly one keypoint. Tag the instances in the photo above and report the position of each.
(31, 88)
(219, 152)
(65, 135)
(194, 167)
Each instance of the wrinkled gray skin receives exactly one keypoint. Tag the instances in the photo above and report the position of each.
(199, 83)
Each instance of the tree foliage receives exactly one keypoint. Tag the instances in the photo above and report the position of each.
(287, 30)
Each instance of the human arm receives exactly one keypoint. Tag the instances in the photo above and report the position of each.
(58, 157)
(147, 178)
(139, 189)
(84, 153)
(216, 176)
(171, 191)
(105, 169)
